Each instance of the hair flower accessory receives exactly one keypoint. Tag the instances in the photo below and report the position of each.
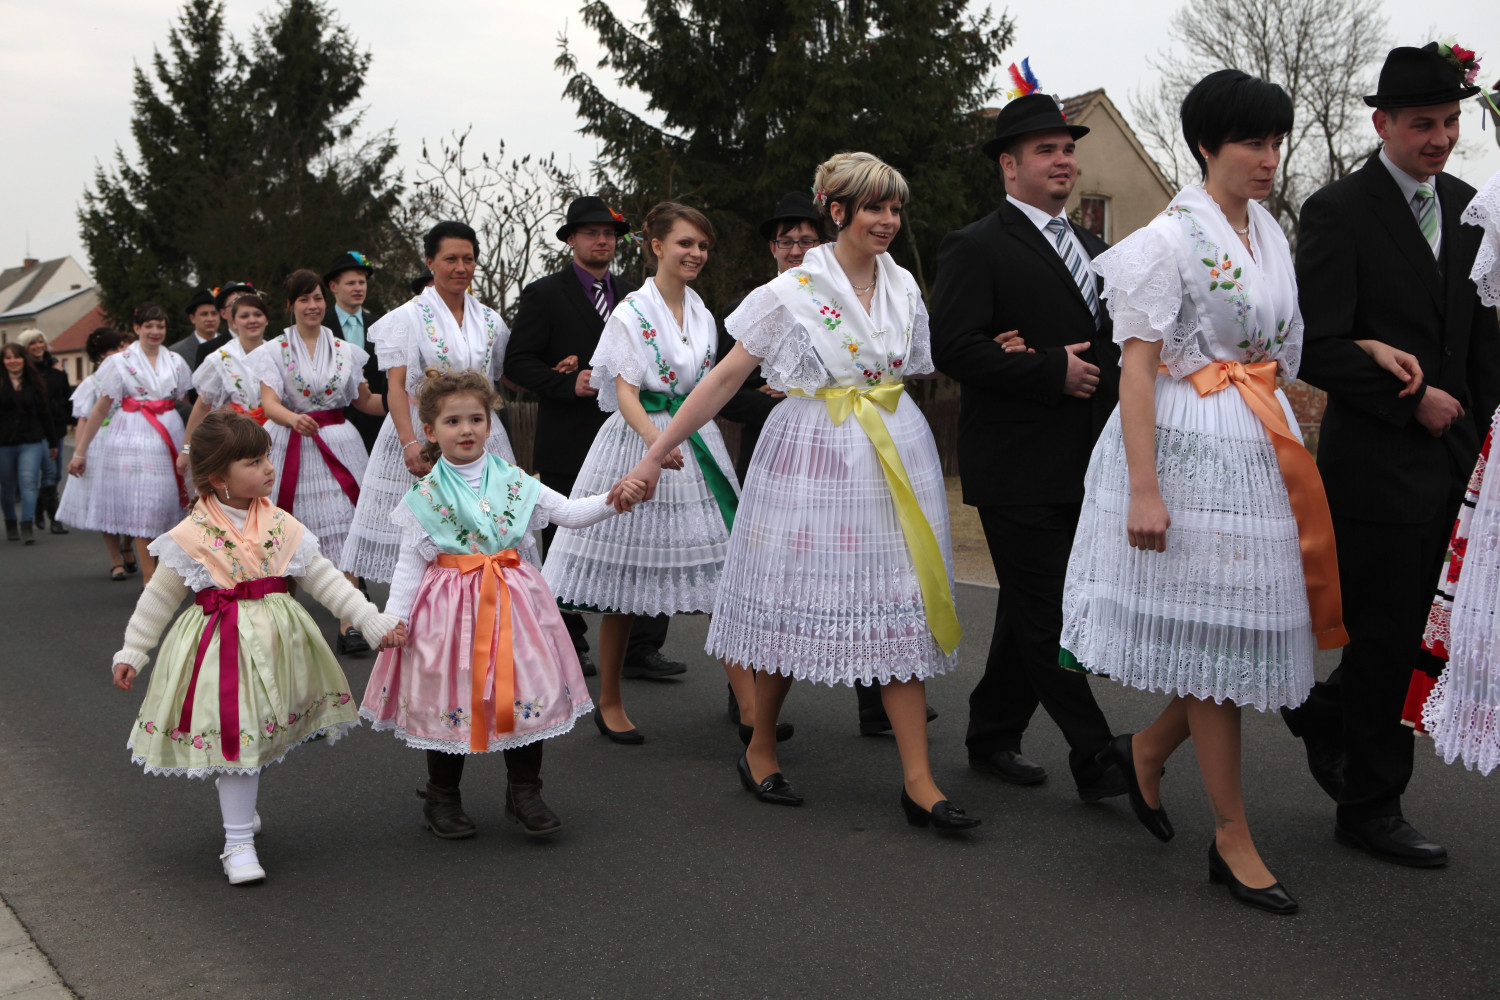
(616, 216)
(820, 197)
(1463, 60)
(632, 237)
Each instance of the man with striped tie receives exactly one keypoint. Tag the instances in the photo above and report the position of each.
(557, 326)
(1382, 256)
(1031, 411)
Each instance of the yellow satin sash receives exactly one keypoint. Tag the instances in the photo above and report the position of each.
(927, 557)
(494, 605)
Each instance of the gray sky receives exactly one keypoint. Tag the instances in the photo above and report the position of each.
(65, 71)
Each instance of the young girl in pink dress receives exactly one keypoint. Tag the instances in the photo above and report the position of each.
(489, 664)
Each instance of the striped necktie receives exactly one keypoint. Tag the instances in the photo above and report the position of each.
(1424, 204)
(601, 301)
(1073, 260)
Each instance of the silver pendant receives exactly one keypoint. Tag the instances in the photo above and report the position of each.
(484, 504)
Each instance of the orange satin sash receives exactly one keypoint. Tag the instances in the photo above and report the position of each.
(258, 414)
(494, 606)
(1304, 486)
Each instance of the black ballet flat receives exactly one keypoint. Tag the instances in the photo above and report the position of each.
(1154, 820)
(630, 737)
(775, 789)
(784, 731)
(944, 815)
(1272, 899)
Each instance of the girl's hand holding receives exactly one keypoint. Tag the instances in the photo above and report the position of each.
(77, 465)
(1399, 363)
(626, 494)
(395, 637)
(123, 673)
(414, 463)
(646, 473)
(673, 459)
(305, 425)
(1147, 523)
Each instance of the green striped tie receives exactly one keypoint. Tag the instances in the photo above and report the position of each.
(1425, 207)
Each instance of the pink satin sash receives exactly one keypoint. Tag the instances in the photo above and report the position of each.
(293, 464)
(149, 408)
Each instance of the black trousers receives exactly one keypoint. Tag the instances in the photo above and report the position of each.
(1030, 546)
(647, 634)
(1387, 573)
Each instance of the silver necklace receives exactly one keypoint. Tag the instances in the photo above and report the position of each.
(1241, 232)
(861, 289)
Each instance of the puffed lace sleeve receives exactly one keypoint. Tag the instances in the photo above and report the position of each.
(1484, 211)
(84, 397)
(391, 333)
(554, 508)
(919, 351)
(1143, 289)
(618, 353)
(182, 376)
(112, 380)
(209, 381)
(416, 553)
(765, 328)
(264, 363)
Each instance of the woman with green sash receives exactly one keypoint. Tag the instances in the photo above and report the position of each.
(667, 558)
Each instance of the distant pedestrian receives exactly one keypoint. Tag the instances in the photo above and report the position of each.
(58, 391)
(28, 436)
(73, 509)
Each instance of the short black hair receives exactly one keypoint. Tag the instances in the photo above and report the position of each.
(447, 231)
(148, 312)
(1231, 105)
(103, 340)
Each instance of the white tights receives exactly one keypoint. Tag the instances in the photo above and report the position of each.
(237, 794)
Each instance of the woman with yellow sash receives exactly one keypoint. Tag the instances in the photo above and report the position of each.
(839, 569)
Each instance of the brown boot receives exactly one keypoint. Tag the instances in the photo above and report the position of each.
(443, 813)
(524, 805)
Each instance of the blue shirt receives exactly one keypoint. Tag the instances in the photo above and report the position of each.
(587, 280)
(351, 326)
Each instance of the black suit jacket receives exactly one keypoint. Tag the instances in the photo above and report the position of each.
(1020, 440)
(748, 405)
(1365, 272)
(367, 424)
(554, 319)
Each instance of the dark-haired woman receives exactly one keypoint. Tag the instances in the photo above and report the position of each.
(446, 328)
(28, 435)
(58, 391)
(667, 557)
(1204, 566)
(137, 490)
(307, 377)
(73, 508)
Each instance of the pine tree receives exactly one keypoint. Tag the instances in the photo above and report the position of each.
(745, 99)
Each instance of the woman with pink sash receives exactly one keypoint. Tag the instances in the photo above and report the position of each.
(243, 675)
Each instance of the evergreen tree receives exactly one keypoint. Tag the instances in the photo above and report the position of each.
(748, 98)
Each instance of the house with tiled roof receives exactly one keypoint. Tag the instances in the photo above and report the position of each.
(68, 346)
(49, 295)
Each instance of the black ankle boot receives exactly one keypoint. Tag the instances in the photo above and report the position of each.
(53, 525)
(12, 532)
(40, 517)
(524, 805)
(443, 813)
(28, 537)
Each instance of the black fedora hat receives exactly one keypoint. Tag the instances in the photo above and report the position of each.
(349, 260)
(1032, 113)
(203, 298)
(1419, 78)
(795, 206)
(223, 292)
(420, 282)
(588, 210)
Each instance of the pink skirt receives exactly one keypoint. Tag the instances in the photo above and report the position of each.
(422, 691)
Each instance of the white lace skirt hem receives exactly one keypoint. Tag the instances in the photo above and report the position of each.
(330, 734)
(495, 744)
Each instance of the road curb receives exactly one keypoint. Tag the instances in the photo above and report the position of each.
(25, 972)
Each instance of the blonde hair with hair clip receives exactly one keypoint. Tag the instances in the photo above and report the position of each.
(857, 180)
(438, 385)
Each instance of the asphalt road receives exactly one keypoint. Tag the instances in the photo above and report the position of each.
(670, 880)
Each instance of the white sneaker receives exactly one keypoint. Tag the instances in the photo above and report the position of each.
(241, 865)
(255, 829)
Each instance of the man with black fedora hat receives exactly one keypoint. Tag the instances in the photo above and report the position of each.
(223, 299)
(348, 279)
(1032, 406)
(205, 319)
(558, 322)
(1382, 256)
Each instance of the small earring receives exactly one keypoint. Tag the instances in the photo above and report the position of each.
(226, 493)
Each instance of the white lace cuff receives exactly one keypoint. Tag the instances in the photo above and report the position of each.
(617, 354)
(1484, 211)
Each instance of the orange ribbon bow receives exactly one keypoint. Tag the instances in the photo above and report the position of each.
(1304, 486)
(494, 608)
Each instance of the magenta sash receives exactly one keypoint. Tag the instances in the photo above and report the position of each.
(222, 606)
(149, 408)
(293, 463)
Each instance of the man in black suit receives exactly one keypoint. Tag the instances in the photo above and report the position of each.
(223, 301)
(205, 319)
(348, 280)
(1028, 422)
(558, 322)
(1382, 256)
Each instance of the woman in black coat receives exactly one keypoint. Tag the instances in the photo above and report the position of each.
(58, 392)
(27, 436)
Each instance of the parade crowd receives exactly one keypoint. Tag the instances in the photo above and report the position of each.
(1151, 511)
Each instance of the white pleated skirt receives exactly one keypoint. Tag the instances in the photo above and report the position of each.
(73, 506)
(819, 583)
(374, 543)
(320, 502)
(1223, 613)
(664, 557)
(133, 488)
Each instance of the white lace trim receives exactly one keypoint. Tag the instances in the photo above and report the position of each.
(617, 354)
(197, 576)
(332, 734)
(497, 743)
(1484, 211)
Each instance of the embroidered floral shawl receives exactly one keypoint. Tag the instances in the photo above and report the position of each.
(451, 347)
(461, 521)
(262, 549)
(670, 365)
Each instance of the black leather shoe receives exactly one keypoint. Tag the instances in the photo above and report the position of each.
(774, 789)
(1273, 899)
(1393, 839)
(1012, 766)
(1154, 820)
(784, 731)
(944, 815)
(352, 643)
(1109, 783)
(443, 813)
(586, 664)
(874, 721)
(524, 805)
(630, 737)
(652, 666)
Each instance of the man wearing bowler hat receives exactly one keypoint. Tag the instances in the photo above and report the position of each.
(1381, 255)
(348, 279)
(1031, 410)
(205, 320)
(558, 322)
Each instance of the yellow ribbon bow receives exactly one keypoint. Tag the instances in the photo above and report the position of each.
(927, 557)
(494, 607)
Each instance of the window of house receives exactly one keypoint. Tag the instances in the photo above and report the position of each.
(1093, 214)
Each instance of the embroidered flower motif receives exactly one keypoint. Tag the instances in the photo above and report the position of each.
(150, 728)
(198, 742)
(175, 734)
(344, 697)
(664, 371)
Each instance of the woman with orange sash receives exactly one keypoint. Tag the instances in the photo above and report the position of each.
(223, 380)
(243, 675)
(489, 665)
(1204, 564)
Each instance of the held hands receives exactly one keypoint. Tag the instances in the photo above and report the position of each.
(584, 386)
(395, 637)
(773, 393)
(77, 465)
(567, 365)
(123, 674)
(414, 464)
(1082, 378)
(1399, 363)
(645, 474)
(626, 494)
(1013, 343)
(305, 425)
(1147, 523)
